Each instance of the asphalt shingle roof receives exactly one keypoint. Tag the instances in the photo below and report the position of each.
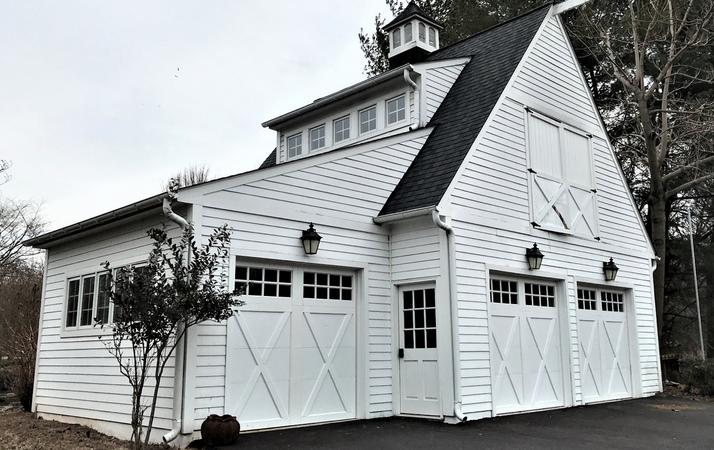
(412, 9)
(495, 54)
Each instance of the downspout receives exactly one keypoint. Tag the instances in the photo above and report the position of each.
(180, 358)
(439, 222)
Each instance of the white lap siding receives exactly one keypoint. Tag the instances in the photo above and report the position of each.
(490, 206)
(266, 216)
(76, 376)
(437, 83)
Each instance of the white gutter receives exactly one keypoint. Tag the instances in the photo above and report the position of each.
(180, 358)
(441, 223)
(403, 215)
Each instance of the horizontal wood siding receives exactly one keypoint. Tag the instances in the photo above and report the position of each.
(77, 376)
(415, 250)
(266, 216)
(490, 207)
(437, 83)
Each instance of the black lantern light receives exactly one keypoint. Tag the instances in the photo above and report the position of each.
(534, 257)
(310, 240)
(610, 270)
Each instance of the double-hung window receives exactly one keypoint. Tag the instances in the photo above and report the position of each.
(294, 145)
(368, 119)
(562, 187)
(317, 137)
(396, 109)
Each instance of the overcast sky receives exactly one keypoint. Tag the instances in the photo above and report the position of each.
(101, 102)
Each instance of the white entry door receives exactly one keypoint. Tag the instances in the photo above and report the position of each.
(291, 350)
(526, 353)
(419, 362)
(603, 339)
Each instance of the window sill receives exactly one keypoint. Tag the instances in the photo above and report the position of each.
(87, 332)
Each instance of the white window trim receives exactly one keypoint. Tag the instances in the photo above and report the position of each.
(562, 126)
(349, 129)
(287, 146)
(386, 110)
(324, 137)
(89, 330)
(359, 120)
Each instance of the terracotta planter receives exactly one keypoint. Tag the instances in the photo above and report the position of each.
(220, 430)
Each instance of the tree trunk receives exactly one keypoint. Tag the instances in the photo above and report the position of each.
(658, 217)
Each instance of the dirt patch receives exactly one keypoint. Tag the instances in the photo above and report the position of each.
(682, 391)
(21, 430)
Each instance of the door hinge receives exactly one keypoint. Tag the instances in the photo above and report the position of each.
(532, 171)
(400, 353)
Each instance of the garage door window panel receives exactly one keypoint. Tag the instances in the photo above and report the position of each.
(327, 286)
(504, 291)
(263, 281)
(539, 295)
(612, 301)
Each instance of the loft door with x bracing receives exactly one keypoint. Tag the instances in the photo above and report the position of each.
(418, 354)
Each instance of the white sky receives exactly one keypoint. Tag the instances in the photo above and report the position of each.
(101, 102)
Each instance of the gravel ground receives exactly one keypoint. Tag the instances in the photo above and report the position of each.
(20, 430)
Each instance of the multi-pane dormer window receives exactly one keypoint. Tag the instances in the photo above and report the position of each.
(295, 145)
(396, 109)
(317, 137)
(368, 119)
(432, 36)
(341, 129)
(422, 32)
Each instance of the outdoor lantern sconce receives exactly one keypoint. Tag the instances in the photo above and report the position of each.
(534, 257)
(610, 270)
(310, 240)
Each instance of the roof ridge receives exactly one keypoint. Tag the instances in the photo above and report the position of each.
(492, 27)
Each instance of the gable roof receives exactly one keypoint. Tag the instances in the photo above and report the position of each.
(495, 53)
(411, 10)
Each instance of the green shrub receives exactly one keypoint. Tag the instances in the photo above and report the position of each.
(698, 375)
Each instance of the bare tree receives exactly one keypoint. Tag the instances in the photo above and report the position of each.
(19, 221)
(20, 292)
(660, 51)
(190, 176)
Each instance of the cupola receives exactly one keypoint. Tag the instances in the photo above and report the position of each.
(412, 36)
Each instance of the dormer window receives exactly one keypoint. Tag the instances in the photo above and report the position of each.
(408, 33)
(294, 145)
(422, 32)
(317, 137)
(368, 119)
(432, 36)
(341, 128)
(396, 38)
(396, 110)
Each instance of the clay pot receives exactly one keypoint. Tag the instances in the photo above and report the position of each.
(220, 430)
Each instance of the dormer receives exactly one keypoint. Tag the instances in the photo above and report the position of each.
(413, 35)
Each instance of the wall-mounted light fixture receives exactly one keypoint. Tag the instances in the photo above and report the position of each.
(310, 240)
(610, 270)
(534, 257)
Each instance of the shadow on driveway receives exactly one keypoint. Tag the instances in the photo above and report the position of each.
(644, 423)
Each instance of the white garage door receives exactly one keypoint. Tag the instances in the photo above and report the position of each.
(526, 357)
(603, 339)
(290, 355)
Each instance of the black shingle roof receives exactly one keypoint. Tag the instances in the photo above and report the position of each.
(495, 54)
(411, 10)
(271, 160)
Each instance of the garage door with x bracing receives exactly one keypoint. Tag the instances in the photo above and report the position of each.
(526, 358)
(605, 372)
(290, 353)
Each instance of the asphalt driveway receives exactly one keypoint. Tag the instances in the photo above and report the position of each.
(644, 423)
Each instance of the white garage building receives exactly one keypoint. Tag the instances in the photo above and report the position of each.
(428, 184)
